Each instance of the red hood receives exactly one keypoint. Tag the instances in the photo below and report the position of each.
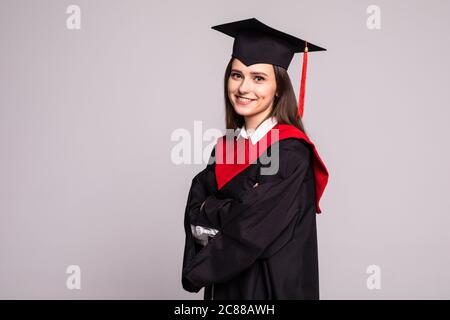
(227, 171)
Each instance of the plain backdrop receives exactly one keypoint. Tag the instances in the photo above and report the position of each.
(86, 118)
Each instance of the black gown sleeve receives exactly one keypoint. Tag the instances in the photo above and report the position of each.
(202, 185)
(248, 226)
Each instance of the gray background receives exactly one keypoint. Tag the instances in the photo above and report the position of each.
(86, 117)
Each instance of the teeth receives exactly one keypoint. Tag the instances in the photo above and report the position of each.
(242, 98)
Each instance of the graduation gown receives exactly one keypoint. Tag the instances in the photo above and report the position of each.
(266, 245)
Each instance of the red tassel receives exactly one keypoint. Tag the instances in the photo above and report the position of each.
(301, 99)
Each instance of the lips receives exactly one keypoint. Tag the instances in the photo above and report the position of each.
(243, 100)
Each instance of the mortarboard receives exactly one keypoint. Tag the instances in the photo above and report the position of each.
(255, 42)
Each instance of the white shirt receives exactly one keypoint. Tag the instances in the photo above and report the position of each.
(202, 234)
(256, 135)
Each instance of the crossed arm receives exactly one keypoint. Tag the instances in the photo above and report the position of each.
(245, 227)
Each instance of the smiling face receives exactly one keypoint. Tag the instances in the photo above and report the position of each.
(251, 90)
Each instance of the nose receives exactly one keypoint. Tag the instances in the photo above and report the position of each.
(245, 86)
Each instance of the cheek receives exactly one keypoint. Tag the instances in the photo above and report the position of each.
(232, 85)
(266, 91)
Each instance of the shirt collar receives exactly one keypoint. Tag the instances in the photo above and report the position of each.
(263, 128)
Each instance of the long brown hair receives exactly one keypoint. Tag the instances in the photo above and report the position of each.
(284, 107)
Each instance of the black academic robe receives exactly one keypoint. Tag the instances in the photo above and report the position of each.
(266, 247)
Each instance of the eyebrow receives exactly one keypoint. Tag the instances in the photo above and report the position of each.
(253, 73)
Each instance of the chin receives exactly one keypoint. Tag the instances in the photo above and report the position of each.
(244, 112)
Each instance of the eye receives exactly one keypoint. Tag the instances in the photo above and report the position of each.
(258, 78)
(235, 74)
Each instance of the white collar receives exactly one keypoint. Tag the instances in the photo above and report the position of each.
(261, 130)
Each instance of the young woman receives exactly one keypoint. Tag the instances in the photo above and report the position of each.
(251, 225)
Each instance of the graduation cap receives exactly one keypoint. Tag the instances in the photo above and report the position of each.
(255, 42)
